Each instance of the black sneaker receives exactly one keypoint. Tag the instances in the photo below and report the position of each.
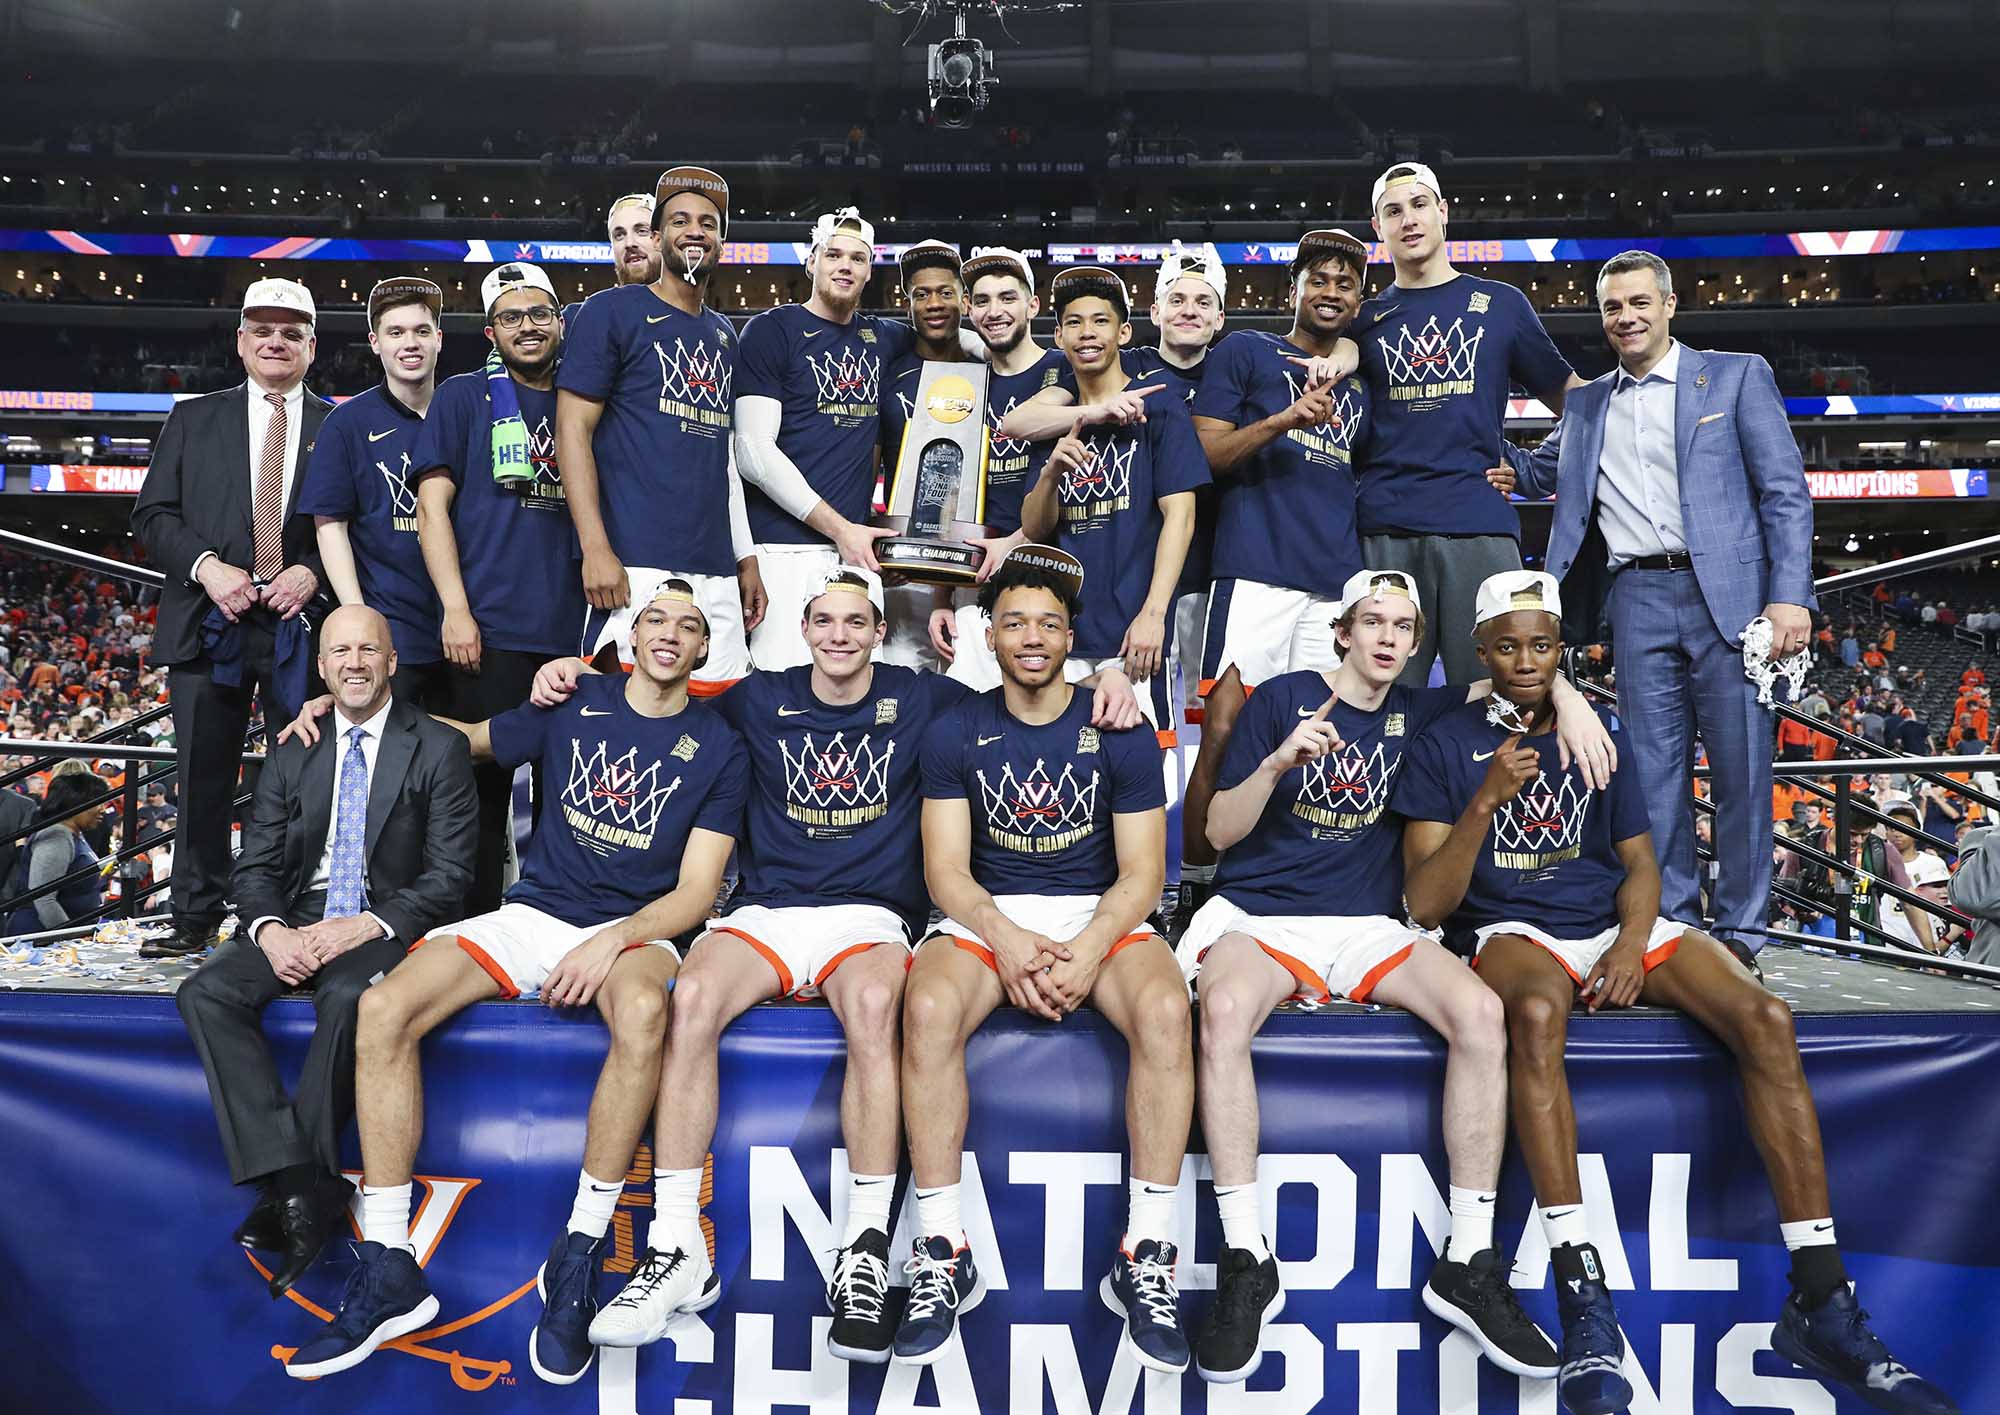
(1593, 1350)
(1833, 1342)
(1248, 1296)
(858, 1296)
(1476, 1297)
(1192, 895)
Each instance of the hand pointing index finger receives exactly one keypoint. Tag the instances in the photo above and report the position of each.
(1325, 708)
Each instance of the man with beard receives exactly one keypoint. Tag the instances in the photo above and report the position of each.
(496, 534)
(1001, 299)
(643, 416)
(359, 493)
(635, 257)
(1280, 438)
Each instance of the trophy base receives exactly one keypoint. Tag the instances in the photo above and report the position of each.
(930, 562)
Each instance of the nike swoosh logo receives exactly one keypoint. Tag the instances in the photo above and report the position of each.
(793, 712)
(812, 333)
(656, 318)
(1307, 712)
(871, 1183)
(1822, 1227)
(1151, 1189)
(1482, 756)
(597, 712)
(983, 741)
(1487, 1198)
(378, 436)
(1555, 1213)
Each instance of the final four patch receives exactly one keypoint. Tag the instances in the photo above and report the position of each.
(885, 711)
(1086, 740)
(686, 748)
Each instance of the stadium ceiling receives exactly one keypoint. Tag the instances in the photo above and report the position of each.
(1099, 45)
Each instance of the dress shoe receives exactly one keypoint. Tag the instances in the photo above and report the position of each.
(187, 937)
(310, 1220)
(1740, 951)
(262, 1227)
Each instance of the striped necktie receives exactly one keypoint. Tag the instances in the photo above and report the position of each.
(267, 516)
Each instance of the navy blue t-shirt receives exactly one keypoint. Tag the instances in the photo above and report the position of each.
(360, 473)
(1438, 362)
(1041, 797)
(834, 800)
(666, 380)
(1322, 845)
(1014, 464)
(1108, 514)
(516, 551)
(828, 378)
(622, 792)
(1287, 514)
(1550, 856)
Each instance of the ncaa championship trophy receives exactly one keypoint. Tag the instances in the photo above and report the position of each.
(938, 494)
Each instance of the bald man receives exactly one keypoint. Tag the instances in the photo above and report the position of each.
(356, 846)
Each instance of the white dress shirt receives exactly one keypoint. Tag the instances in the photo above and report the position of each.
(1638, 474)
(337, 724)
(259, 413)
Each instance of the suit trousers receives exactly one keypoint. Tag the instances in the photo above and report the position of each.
(209, 722)
(263, 1129)
(1679, 681)
(501, 684)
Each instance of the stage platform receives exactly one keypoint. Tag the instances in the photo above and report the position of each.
(125, 1293)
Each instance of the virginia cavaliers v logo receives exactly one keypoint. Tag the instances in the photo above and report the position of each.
(845, 376)
(1542, 826)
(836, 785)
(1037, 813)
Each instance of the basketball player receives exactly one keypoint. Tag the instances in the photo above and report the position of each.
(647, 789)
(357, 487)
(643, 417)
(1280, 439)
(1120, 498)
(1044, 842)
(635, 259)
(1438, 349)
(1001, 302)
(1554, 887)
(1309, 904)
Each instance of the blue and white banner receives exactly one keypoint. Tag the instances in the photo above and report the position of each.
(124, 1292)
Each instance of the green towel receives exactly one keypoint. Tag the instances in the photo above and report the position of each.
(511, 467)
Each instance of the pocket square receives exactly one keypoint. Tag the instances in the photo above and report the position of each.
(1702, 422)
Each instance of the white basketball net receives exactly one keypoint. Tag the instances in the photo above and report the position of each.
(845, 376)
(1432, 353)
(696, 375)
(837, 774)
(1504, 713)
(1348, 782)
(1759, 667)
(616, 791)
(1004, 446)
(1107, 476)
(542, 451)
(1035, 805)
(1543, 817)
(402, 501)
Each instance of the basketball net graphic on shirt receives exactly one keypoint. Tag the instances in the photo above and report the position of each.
(612, 802)
(1346, 791)
(542, 457)
(1332, 441)
(402, 500)
(1036, 815)
(849, 381)
(1004, 451)
(1432, 362)
(837, 785)
(1542, 826)
(696, 383)
(1102, 485)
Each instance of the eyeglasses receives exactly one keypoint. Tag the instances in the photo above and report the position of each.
(541, 316)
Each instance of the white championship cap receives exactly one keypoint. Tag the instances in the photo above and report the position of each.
(1516, 589)
(997, 260)
(274, 294)
(847, 221)
(644, 199)
(1376, 584)
(514, 275)
(854, 580)
(1203, 264)
(1401, 172)
(1927, 868)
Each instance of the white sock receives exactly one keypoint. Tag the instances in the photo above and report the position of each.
(1564, 1224)
(1471, 1223)
(590, 1215)
(868, 1198)
(1806, 1233)
(1149, 1213)
(937, 1214)
(1241, 1226)
(385, 1215)
(676, 1211)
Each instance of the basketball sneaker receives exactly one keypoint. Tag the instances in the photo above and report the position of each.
(1140, 1288)
(1248, 1296)
(1476, 1297)
(661, 1287)
(1593, 1349)
(1833, 1342)
(944, 1285)
(858, 1295)
(385, 1297)
(559, 1348)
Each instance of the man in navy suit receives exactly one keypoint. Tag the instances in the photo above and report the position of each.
(1677, 472)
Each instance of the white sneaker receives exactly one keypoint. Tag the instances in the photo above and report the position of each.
(662, 1287)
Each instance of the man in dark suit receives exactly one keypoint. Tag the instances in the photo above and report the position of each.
(356, 846)
(216, 516)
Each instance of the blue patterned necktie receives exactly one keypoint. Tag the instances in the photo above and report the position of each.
(346, 884)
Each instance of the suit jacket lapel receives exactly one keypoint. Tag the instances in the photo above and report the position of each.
(1593, 438)
(392, 764)
(316, 792)
(238, 470)
(1691, 389)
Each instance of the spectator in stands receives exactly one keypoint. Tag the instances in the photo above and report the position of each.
(1874, 657)
(1794, 742)
(1930, 612)
(1965, 739)
(1874, 724)
(1947, 616)
(57, 849)
(1975, 891)
(1926, 870)
(1912, 733)
(1850, 648)
(1880, 594)
(1888, 641)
